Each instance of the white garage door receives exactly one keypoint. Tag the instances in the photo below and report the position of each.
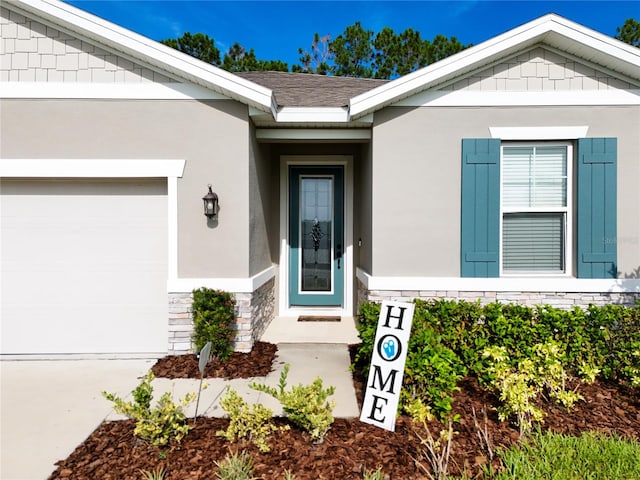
(84, 266)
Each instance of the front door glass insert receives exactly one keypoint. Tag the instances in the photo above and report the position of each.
(316, 233)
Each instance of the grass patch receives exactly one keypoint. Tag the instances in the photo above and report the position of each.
(552, 456)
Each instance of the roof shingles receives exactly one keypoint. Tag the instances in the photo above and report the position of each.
(308, 90)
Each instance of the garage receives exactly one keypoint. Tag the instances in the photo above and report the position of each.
(84, 265)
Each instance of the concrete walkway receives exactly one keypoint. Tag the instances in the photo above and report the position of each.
(49, 407)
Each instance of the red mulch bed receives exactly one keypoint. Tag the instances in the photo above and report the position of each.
(350, 447)
(257, 363)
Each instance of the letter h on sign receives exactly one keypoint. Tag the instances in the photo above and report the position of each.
(387, 365)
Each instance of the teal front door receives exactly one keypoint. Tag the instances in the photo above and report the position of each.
(316, 236)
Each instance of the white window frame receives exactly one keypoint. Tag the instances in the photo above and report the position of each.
(567, 210)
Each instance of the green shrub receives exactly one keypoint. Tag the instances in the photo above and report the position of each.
(448, 339)
(213, 321)
(157, 474)
(245, 421)
(615, 334)
(432, 371)
(235, 466)
(159, 424)
(518, 387)
(367, 324)
(305, 405)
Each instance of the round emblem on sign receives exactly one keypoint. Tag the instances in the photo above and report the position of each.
(389, 347)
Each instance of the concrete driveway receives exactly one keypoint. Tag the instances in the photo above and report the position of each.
(49, 407)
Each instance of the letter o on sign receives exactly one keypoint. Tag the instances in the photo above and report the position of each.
(389, 347)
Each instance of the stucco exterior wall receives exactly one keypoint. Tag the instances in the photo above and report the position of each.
(362, 214)
(261, 208)
(211, 136)
(416, 179)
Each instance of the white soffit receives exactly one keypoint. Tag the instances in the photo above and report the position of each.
(146, 51)
(550, 29)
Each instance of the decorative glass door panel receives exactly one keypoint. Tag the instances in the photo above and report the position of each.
(316, 272)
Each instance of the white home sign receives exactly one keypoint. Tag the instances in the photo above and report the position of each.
(387, 365)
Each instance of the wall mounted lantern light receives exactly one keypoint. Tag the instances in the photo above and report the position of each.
(210, 204)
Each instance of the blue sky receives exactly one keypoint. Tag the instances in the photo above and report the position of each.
(275, 29)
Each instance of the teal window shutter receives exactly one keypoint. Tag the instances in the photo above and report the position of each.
(480, 216)
(597, 211)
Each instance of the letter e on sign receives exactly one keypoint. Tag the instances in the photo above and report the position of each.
(387, 365)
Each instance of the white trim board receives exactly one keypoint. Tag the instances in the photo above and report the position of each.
(284, 309)
(115, 91)
(539, 133)
(504, 284)
(90, 168)
(317, 114)
(232, 285)
(479, 98)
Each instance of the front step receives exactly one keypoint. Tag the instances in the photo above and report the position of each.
(290, 330)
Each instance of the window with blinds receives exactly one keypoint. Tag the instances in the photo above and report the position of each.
(535, 198)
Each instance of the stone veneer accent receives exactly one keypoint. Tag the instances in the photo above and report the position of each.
(254, 311)
(33, 52)
(565, 300)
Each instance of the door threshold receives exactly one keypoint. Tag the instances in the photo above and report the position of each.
(317, 318)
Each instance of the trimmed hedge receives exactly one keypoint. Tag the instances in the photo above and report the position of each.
(448, 339)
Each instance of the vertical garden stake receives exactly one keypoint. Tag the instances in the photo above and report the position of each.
(205, 354)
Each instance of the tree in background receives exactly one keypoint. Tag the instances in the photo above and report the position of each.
(317, 60)
(442, 47)
(356, 52)
(397, 55)
(353, 52)
(238, 59)
(629, 32)
(198, 45)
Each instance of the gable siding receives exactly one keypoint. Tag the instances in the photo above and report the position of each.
(539, 70)
(33, 52)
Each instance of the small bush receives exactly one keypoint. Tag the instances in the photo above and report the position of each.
(305, 405)
(245, 421)
(157, 474)
(519, 386)
(213, 321)
(159, 424)
(235, 466)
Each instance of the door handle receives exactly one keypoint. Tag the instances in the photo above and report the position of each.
(339, 253)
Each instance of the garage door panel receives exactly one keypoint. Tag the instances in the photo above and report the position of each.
(84, 266)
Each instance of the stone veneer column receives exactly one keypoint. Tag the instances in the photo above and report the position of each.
(254, 311)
